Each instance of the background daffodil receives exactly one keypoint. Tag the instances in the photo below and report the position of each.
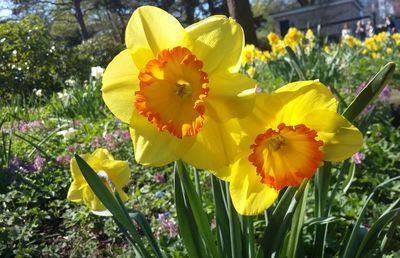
(109, 170)
(178, 88)
(289, 134)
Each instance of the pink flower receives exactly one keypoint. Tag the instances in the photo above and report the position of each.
(358, 158)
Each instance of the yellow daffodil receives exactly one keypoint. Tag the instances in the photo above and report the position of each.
(267, 55)
(396, 36)
(279, 49)
(248, 54)
(288, 136)
(310, 35)
(351, 41)
(327, 50)
(389, 51)
(293, 38)
(371, 44)
(375, 55)
(178, 88)
(381, 37)
(114, 173)
(251, 71)
(273, 38)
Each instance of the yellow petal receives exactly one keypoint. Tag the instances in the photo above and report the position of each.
(153, 28)
(120, 81)
(260, 119)
(249, 195)
(75, 192)
(91, 200)
(230, 96)
(216, 145)
(155, 148)
(218, 42)
(300, 98)
(341, 139)
(118, 171)
(75, 171)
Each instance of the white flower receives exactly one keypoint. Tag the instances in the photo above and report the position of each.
(38, 93)
(70, 82)
(97, 72)
(62, 95)
(67, 134)
(14, 52)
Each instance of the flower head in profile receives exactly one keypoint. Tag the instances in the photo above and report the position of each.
(273, 38)
(248, 54)
(179, 88)
(114, 173)
(288, 136)
(293, 38)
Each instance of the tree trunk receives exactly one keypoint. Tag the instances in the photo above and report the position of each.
(189, 11)
(241, 11)
(80, 20)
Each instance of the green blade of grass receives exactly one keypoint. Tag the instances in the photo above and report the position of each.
(187, 226)
(370, 92)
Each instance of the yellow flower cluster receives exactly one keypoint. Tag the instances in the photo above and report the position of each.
(181, 93)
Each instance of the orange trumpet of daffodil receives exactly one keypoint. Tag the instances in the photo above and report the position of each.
(114, 173)
(179, 88)
(288, 136)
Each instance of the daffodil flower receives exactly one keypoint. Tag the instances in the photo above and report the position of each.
(291, 132)
(178, 88)
(114, 173)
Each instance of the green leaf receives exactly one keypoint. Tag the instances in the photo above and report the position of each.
(349, 178)
(370, 92)
(189, 202)
(296, 63)
(109, 201)
(279, 222)
(221, 216)
(369, 241)
(297, 225)
(350, 246)
(320, 221)
(321, 181)
(187, 226)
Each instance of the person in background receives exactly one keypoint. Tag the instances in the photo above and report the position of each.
(360, 30)
(346, 30)
(396, 18)
(389, 25)
(370, 29)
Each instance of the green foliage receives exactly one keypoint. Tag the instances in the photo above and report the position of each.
(100, 50)
(31, 59)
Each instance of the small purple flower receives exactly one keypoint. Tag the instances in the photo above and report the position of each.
(360, 87)
(125, 135)
(163, 216)
(159, 194)
(159, 178)
(63, 160)
(38, 162)
(97, 141)
(358, 158)
(110, 141)
(17, 164)
(385, 94)
(26, 126)
(167, 225)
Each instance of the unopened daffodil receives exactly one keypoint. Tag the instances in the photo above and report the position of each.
(114, 173)
(288, 136)
(178, 88)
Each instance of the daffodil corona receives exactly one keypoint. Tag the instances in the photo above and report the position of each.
(288, 136)
(114, 173)
(179, 88)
